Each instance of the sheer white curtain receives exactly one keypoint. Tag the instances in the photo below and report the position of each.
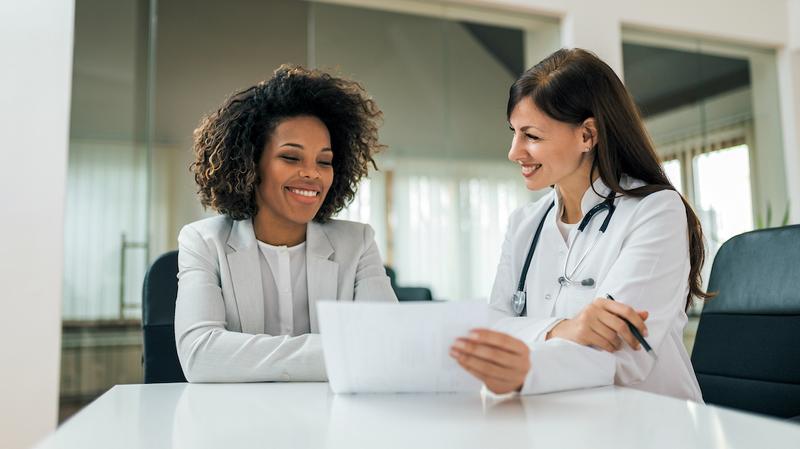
(106, 197)
(449, 223)
(369, 206)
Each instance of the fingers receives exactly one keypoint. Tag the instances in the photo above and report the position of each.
(488, 353)
(499, 360)
(496, 385)
(478, 375)
(605, 337)
(619, 327)
(483, 369)
(496, 348)
(490, 372)
(586, 330)
(623, 311)
(499, 340)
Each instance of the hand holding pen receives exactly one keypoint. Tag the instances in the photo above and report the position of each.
(604, 324)
(637, 334)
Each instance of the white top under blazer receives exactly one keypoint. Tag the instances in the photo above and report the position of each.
(285, 287)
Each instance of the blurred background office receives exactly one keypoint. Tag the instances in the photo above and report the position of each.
(717, 82)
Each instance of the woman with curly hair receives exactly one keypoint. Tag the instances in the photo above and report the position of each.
(277, 161)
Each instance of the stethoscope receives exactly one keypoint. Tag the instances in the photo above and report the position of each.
(519, 299)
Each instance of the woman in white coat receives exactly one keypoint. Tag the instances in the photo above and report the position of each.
(277, 160)
(612, 226)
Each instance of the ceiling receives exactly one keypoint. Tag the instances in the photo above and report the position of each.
(662, 79)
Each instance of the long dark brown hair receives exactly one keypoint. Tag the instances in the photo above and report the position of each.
(572, 85)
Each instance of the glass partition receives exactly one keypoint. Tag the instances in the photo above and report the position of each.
(441, 76)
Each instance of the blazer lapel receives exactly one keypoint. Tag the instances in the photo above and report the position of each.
(321, 272)
(245, 269)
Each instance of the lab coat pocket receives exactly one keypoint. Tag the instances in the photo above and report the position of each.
(577, 298)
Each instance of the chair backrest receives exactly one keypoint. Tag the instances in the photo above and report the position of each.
(747, 350)
(414, 294)
(158, 321)
(407, 293)
(392, 276)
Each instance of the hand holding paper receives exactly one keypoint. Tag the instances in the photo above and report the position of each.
(379, 347)
(499, 360)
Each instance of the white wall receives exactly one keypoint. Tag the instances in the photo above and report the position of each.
(769, 170)
(36, 44)
(597, 22)
(789, 72)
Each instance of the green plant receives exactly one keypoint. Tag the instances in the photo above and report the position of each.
(762, 223)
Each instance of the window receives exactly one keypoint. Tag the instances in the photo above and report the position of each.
(673, 170)
(719, 188)
(722, 195)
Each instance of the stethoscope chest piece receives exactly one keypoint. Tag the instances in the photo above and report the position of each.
(565, 281)
(518, 302)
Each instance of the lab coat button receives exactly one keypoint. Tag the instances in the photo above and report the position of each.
(548, 297)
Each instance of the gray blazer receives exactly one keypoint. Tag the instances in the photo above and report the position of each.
(219, 314)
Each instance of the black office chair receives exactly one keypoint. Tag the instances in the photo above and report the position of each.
(159, 293)
(746, 354)
(414, 294)
(407, 293)
(392, 277)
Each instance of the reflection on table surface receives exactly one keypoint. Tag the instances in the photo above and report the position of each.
(279, 415)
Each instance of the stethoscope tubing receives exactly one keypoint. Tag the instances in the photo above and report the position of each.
(519, 299)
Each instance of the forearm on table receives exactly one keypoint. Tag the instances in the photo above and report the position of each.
(213, 354)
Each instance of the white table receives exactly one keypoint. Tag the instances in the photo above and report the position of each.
(297, 415)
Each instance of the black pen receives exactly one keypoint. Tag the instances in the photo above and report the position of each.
(637, 335)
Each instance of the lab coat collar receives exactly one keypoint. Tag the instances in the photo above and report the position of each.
(595, 194)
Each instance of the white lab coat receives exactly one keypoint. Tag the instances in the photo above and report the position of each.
(642, 260)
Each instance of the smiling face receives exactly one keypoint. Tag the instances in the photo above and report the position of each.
(550, 152)
(296, 170)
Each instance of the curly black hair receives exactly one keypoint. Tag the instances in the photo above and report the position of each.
(229, 142)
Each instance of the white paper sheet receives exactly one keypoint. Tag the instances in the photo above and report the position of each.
(397, 348)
